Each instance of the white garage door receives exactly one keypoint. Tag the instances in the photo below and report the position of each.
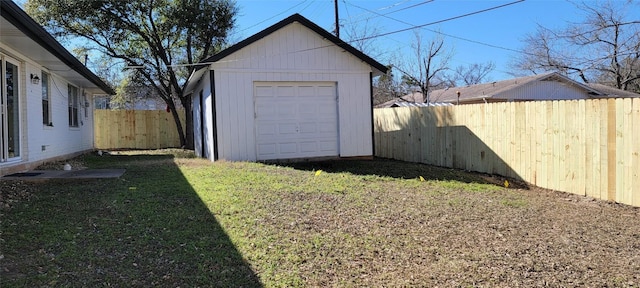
(296, 119)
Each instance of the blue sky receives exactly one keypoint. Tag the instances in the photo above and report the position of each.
(503, 27)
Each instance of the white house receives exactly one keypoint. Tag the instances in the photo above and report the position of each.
(46, 100)
(291, 91)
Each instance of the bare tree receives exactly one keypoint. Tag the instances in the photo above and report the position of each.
(387, 87)
(361, 35)
(425, 69)
(471, 74)
(100, 64)
(131, 91)
(604, 47)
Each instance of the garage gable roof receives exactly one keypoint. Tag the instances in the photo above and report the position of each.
(307, 23)
(21, 20)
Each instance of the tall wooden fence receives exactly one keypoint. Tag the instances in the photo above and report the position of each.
(585, 147)
(136, 129)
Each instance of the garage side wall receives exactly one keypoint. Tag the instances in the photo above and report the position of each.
(291, 54)
(203, 119)
(197, 123)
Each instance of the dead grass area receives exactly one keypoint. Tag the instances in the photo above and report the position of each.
(454, 238)
(336, 224)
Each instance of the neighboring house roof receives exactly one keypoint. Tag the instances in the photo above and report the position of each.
(418, 104)
(503, 90)
(413, 99)
(609, 91)
(18, 30)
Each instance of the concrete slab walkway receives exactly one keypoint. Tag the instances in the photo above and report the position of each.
(62, 174)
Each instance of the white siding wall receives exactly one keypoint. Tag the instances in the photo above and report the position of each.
(197, 126)
(207, 118)
(60, 139)
(293, 53)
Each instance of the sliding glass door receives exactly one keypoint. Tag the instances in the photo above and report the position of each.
(9, 110)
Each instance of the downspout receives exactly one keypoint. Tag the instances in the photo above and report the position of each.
(213, 113)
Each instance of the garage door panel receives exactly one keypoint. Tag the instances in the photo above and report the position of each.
(324, 90)
(264, 91)
(306, 128)
(296, 120)
(264, 111)
(327, 110)
(327, 146)
(288, 148)
(288, 128)
(307, 91)
(267, 150)
(285, 91)
(326, 127)
(308, 147)
(266, 129)
(287, 110)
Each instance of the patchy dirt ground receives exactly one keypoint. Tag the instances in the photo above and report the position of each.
(529, 238)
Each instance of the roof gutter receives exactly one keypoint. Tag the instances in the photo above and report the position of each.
(16, 16)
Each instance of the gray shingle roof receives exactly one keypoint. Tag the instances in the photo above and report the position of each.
(410, 100)
(609, 91)
(499, 89)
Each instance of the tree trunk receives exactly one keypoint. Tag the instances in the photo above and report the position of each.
(176, 119)
(188, 110)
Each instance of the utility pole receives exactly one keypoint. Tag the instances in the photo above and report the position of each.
(335, 2)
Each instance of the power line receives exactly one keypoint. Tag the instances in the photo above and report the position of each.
(318, 11)
(441, 21)
(274, 16)
(378, 14)
(393, 5)
(409, 7)
(384, 34)
(444, 34)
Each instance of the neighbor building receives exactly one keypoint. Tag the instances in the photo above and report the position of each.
(548, 86)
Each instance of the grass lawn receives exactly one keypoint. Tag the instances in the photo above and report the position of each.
(172, 221)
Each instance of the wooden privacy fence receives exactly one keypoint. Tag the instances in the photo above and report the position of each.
(135, 129)
(585, 147)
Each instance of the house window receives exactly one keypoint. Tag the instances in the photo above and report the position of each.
(46, 102)
(73, 106)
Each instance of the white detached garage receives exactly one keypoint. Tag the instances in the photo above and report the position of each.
(291, 91)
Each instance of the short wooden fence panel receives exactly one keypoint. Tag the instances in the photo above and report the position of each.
(135, 129)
